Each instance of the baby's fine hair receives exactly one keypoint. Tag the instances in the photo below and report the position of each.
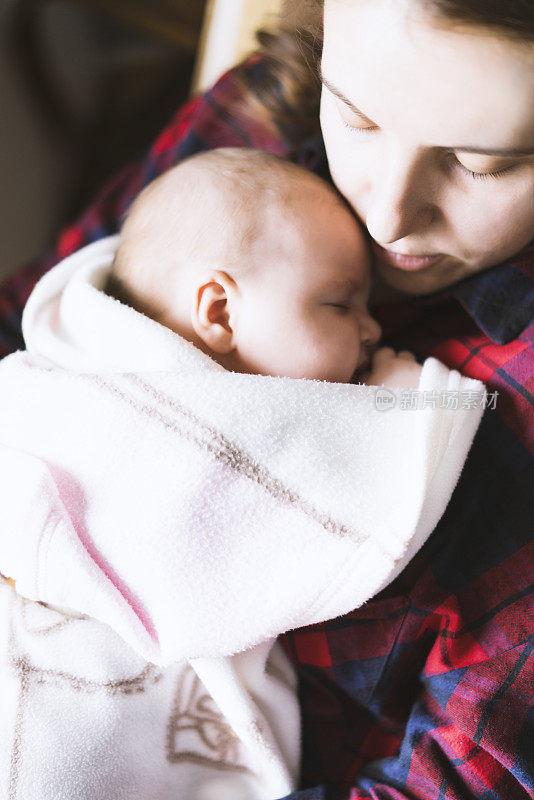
(206, 211)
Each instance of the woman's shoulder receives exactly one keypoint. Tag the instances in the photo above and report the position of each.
(223, 116)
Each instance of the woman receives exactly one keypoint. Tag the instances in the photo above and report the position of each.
(427, 122)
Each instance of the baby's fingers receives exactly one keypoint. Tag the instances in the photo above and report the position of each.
(383, 354)
(407, 354)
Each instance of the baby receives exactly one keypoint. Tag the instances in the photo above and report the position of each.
(174, 502)
(261, 265)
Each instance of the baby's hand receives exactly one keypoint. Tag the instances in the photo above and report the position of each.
(395, 370)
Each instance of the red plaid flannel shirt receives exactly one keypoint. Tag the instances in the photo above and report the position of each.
(426, 692)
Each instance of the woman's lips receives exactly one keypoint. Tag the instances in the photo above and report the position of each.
(409, 263)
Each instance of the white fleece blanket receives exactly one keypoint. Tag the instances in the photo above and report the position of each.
(175, 517)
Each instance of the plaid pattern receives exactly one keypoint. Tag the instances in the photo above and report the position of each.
(426, 691)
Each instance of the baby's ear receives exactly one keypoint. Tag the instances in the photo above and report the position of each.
(210, 314)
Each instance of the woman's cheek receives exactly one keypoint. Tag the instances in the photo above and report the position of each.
(514, 203)
(483, 227)
(346, 160)
(335, 139)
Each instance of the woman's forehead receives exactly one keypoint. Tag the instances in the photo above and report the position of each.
(445, 87)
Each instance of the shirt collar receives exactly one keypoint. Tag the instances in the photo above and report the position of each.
(500, 300)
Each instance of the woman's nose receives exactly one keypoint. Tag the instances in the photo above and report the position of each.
(398, 202)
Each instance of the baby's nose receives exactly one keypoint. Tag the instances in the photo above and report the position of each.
(370, 330)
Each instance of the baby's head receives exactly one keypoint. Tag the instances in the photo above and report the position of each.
(255, 260)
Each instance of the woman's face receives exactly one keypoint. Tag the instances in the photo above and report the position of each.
(429, 134)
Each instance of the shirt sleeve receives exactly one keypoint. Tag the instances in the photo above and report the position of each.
(469, 735)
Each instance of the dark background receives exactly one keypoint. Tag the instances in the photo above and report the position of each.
(85, 85)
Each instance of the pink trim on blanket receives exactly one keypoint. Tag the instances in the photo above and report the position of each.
(73, 499)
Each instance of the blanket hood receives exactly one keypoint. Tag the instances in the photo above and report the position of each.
(197, 511)
(72, 323)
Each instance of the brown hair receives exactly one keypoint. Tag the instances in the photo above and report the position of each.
(286, 93)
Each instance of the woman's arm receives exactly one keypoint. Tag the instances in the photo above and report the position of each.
(468, 733)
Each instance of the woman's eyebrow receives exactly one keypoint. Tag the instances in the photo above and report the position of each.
(484, 151)
(339, 94)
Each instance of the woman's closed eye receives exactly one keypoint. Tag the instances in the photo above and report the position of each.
(454, 162)
(483, 174)
(358, 128)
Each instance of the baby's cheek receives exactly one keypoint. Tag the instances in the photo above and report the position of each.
(325, 358)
